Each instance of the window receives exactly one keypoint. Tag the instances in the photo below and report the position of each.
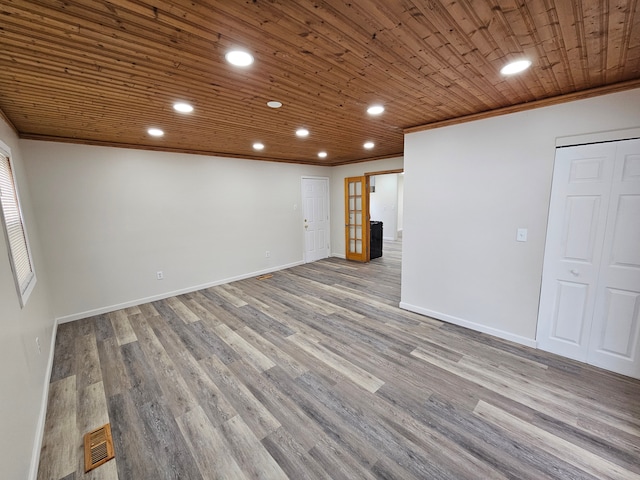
(16, 235)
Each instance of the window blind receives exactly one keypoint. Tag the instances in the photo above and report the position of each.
(14, 228)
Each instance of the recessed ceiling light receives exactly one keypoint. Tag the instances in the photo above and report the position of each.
(155, 132)
(239, 58)
(182, 107)
(515, 67)
(322, 154)
(274, 104)
(258, 146)
(302, 132)
(375, 109)
(369, 145)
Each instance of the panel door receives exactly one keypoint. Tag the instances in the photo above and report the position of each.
(616, 322)
(315, 211)
(575, 234)
(357, 219)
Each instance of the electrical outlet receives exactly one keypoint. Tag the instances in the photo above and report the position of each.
(38, 345)
(267, 254)
(160, 275)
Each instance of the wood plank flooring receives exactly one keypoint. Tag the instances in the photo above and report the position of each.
(315, 373)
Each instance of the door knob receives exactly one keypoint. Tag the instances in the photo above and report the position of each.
(574, 272)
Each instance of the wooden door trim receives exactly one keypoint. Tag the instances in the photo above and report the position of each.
(384, 172)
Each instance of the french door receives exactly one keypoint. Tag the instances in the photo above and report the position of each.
(357, 218)
(590, 297)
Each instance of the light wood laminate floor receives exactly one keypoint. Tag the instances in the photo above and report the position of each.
(316, 374)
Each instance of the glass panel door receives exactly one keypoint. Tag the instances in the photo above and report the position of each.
(357, 218)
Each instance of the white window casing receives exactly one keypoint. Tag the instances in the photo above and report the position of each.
(15, 231)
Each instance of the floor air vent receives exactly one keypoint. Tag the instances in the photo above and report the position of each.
(98, 447)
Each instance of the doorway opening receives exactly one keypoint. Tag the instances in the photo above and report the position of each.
(373, 214)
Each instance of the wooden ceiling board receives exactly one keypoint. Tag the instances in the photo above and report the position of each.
(102, 72)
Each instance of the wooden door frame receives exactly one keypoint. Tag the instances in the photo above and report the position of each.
(366, 233)
(384, 172)
(373, 174)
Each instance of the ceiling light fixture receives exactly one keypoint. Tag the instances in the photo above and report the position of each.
(515, 67)
(322, 154)
(239, 58)
(302, 132)
(182, 107)
(274, 104)
(369, 145)
(155, 132)
(258, 146)
(375, 109)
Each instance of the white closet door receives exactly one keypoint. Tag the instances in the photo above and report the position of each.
(575, 233)
(615, 333)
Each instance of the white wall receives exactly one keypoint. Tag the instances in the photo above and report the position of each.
(468, 188)
(23, 371)
(111, 218)
(338, 174)
(383, 204)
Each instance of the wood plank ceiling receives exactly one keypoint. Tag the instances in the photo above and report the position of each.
(103, 72)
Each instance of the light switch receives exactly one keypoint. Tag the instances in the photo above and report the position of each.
(521, 236)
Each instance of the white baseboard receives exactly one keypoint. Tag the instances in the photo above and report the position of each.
(339, 255)
(529, 342)
(35, 455)
(161, 296)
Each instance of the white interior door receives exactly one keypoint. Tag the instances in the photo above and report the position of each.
(315, 211)
(616, 321)
(589, 304)
(575, 232)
